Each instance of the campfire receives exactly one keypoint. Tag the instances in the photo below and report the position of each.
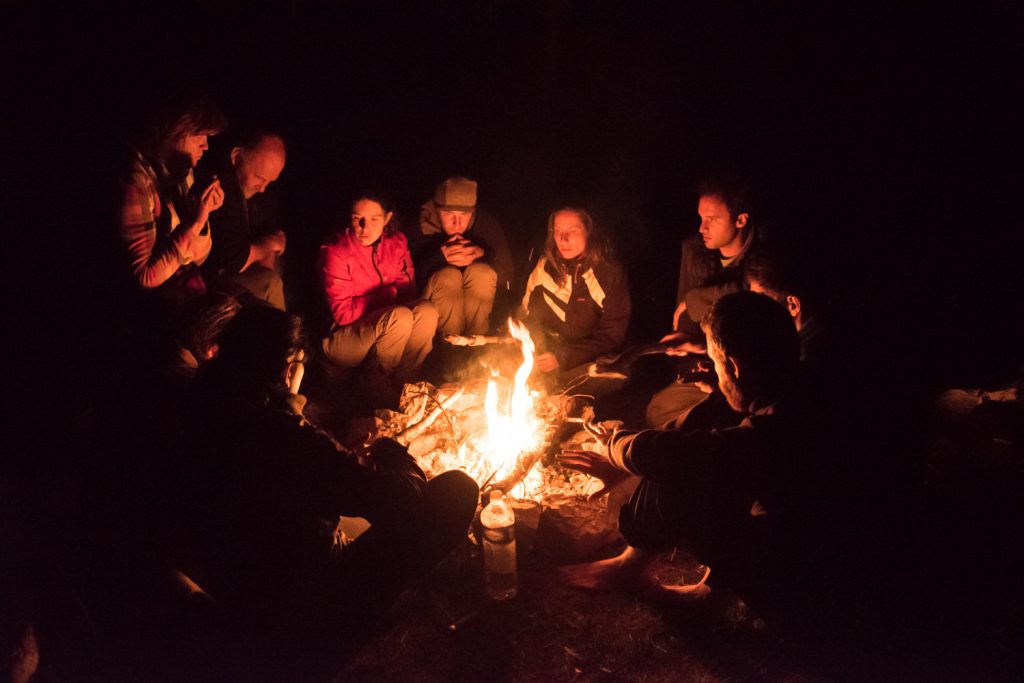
(493, 427)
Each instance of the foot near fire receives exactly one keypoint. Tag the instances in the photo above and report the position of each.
(621, 571)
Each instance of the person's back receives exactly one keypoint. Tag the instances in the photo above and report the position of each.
(262, 491)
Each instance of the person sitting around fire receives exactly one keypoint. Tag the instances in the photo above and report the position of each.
(759, 503)
(368, 276)
(164, 220)
(247, 237)
(577, 297)
(710, 265)
(462, 258)
(262, 491)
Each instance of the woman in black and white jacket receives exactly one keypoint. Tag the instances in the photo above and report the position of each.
(577, 297)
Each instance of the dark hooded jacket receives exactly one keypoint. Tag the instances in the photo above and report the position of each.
(484, 231)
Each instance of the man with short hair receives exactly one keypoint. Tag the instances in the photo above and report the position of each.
(711, 265)
(247, 236)
(739, 498)
(462, 258)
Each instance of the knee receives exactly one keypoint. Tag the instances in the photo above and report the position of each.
(397, 319)
(425, 313)
(459, 489)
(447, 279)
(481, 278)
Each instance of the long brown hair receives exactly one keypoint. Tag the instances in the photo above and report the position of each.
(596, 251)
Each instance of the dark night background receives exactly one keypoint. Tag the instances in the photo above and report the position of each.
(884, 137)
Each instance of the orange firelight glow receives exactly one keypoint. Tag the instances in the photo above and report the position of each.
(513, 426)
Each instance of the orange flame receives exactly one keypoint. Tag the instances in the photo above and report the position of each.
(517, 429)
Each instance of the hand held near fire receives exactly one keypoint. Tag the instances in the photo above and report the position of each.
(596, 465)
(546, 362)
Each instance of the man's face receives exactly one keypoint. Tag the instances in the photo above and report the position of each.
(727, 380)
(455, 222)
(257, 168)
(190, 147)
(368, 221)
(717, 227)
(569, 234)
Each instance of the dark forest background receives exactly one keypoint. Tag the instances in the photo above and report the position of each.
(883, 137)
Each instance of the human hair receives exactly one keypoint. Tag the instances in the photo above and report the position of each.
(206, 320)
(254, 350)
(596, 252)
(782, 273)
(758, 333)
(179, 115)
(729, 189)
(251, 137)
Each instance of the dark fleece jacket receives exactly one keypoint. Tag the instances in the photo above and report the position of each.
(484, 231)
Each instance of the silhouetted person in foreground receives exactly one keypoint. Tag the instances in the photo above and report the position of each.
(264, 489)
(763, 504)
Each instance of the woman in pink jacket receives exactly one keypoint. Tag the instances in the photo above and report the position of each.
(368, 277)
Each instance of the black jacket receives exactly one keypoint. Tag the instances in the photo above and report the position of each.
(484, 231)
(587, 316)
(236, 224)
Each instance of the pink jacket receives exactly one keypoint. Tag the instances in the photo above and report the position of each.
(359, 279)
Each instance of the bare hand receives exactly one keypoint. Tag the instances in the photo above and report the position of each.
(599, 431)
(686, 348)
(702, 375)
(212, 198)
(460, 252)
(680, 309)
(593, 464)
(545, 362)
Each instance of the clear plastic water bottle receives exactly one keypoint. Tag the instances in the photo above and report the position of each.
(499, 523)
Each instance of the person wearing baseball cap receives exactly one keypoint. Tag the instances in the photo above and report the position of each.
(462, 258)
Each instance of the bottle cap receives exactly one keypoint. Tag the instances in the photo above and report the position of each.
(495, 495)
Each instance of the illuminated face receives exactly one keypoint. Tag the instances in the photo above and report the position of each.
(718, 228)
(455, 222)
(569, 234)
(368, 221)
(259, 167)
(190, 147)
(727, 380)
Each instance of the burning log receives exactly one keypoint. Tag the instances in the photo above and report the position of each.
(410, 433)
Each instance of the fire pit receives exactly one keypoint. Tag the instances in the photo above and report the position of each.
(497, 430)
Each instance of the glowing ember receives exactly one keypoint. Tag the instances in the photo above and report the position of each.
(493, 429)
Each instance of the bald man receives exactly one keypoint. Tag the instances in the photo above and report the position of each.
(247, 236)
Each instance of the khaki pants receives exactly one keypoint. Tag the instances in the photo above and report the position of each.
(464, 298)
(400, 336)
(264, 283)
(671, 405)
